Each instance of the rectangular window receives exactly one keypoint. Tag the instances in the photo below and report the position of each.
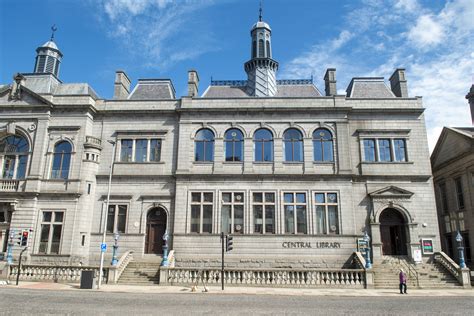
(201, 212)
(155, 149)
(327, 215)
(444, 197)
(263, 205)
(233, 212)
(369, 150)
(117, 218)
(399, 149)
(51, 231)
(384, 150)
(295, 213)
(141, 150)
(126, 150)
(459, 193)
(447, 224)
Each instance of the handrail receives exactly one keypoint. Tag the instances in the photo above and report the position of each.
(358, 260)
(448, 263)
(410, 269)
(123, 263)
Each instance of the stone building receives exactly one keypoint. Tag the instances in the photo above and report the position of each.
(296, 175)
(453, 170)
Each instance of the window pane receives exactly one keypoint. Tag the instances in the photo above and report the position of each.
(319, 197)
(328, 151)
(56, 170)
(332, 198)
(288, 197)
(269, 219)
(196, 197)
(207, 219)
(56, 239)
(209, 151)
(43, 247)
(195, 218)
(238, 197)
(47, 216)
(238, 219)
(226, 219)
(268, 151)
(288, 147)
(400, 154)
(122, 218)
(320, 220)
(270, 197)
(21, 172)
(126, 150)
(155, 150)
(289, 219)
(318, 150)
(298, 151)
(369, 150)
(258, 218)
(384, 150)
(333, 219)
(111, 219)
(259, 151)
(58, 217)
(199, 151)
(65, 166)
(301, 219)
(141, 148)
(257, 197)
(8, 167)
(207, 197)
(300, 198)
(226, 197)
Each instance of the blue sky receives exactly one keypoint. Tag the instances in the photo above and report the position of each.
(432, 39)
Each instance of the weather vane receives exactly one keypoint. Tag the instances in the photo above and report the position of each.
(53, 29)
(260, 10)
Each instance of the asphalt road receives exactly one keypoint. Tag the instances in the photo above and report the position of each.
(40, 302)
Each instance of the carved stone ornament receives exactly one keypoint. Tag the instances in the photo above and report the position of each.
(32, 127)
(16, 87)
(11, 128)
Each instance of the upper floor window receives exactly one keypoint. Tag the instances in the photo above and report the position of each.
(293, 145)
(385, 150)
(14, 151)
(459, 193)
(327, 219)
(263, 206)
(323, 145)
(263, 140)
(61, 160)
(204, 145)
(116, 218)
(295, 213)
(140, 150)
(234, 145)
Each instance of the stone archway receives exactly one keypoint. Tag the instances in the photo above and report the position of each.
(155, 229)
(393, 232)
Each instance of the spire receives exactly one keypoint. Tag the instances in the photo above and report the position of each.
(48, 56)
(261, 68)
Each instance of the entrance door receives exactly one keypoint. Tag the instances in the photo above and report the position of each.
(155, 229)
(393, 233)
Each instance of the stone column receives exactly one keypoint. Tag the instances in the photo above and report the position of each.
(376, 241)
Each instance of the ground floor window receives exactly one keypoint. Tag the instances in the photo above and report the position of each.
(51, 232)
(117, 218)
(233, 212)
(201, 212)
(263, 205)
(294, 204)
(327, 219)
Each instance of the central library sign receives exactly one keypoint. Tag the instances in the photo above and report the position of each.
(316, 244)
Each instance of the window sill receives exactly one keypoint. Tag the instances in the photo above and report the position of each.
(387, 162)
(233, 162)
(293, 162)
(263, 162)
(203, 162)
(139, 163)
(323, 163)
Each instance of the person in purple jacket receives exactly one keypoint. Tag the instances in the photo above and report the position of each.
(403, 282)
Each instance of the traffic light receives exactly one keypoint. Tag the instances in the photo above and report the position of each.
(229, 243)
(24, 238)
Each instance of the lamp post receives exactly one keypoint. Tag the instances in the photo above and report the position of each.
(104, 227)
(462, 264)
(10, 247)
(164, 262)
(368, 264)
(114, 255)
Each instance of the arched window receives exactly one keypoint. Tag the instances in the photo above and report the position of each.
(293, 143)
(263, 140)
(261, 48)
(254, 49)
(323, 145)
(14, 150)
(234, 145)
(269, 53)
(204, 148)
(61, 160)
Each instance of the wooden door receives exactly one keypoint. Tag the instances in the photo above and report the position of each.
(155, 229)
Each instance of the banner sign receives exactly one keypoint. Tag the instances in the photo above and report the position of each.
(427, 246)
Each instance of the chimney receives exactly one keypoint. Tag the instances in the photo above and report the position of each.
(121, 85)
(470, 98)
(398, 83)
(330, 81)
(193, 83)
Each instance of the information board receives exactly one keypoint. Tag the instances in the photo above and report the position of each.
(427, 246)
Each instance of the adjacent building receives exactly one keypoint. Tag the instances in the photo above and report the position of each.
(297, 175)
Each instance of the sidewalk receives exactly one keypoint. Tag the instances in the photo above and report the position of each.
(214, 290)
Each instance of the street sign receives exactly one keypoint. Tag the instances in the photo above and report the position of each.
(103, 247)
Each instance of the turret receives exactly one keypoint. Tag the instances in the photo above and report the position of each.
(48, 57)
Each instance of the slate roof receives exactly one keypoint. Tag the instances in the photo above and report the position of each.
(153, 89)
(372, 87)
(283, 91)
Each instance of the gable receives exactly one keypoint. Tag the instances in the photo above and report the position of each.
(27, 97)
(451, 145)
(391, 192)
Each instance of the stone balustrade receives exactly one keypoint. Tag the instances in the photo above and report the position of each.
(116, 272)
(353, 278)
(7, 185)
(462, 275)
(52, 273)
(92, 141)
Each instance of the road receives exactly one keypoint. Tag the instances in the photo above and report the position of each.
(15, 301)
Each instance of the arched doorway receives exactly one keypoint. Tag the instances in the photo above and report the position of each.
(155, 229)
(393, 232)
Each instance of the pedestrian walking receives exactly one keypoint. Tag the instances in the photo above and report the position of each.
(403, 282)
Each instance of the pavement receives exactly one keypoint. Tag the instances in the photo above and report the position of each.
(213, 290)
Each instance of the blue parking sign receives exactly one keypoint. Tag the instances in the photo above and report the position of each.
(103, 247)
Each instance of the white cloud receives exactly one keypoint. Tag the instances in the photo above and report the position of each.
(427, 32)
(407, 5)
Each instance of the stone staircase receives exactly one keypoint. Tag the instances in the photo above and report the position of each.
(143, 271)
(430, 275)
